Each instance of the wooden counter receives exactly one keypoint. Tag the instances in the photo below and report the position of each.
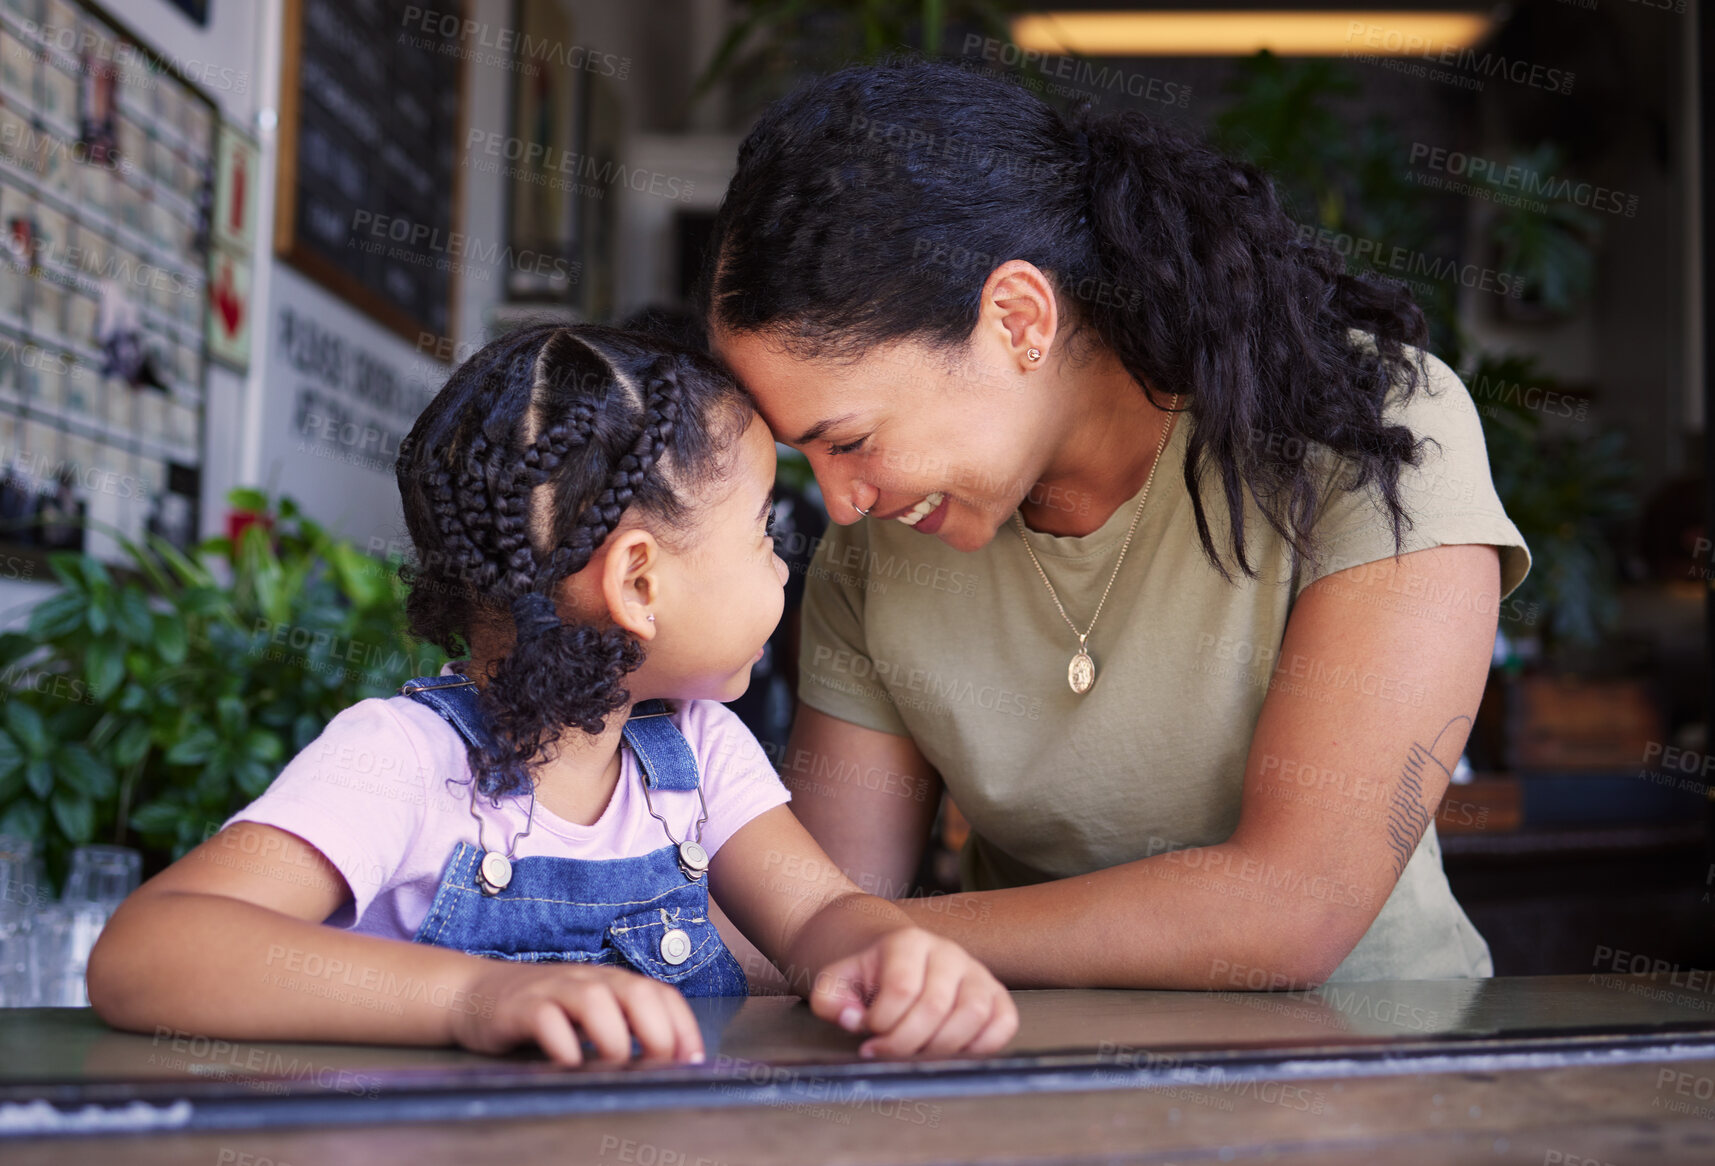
(1603, 1068)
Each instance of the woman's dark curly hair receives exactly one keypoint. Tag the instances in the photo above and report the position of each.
(513, 476)
(870, 206)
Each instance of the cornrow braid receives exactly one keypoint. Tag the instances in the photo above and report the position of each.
(513, 479)
(444, 491)
(598, 520)
(552, 443)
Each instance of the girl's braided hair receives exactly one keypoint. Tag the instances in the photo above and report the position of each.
(512, 478)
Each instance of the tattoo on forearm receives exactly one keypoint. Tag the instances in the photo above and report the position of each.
(1408, 818)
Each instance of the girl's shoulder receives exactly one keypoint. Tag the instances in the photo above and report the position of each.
(394, 734)
(362, 786)
(721, 741)
(738, 780)
(718, 738)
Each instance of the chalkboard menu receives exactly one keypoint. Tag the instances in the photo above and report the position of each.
(368, 176)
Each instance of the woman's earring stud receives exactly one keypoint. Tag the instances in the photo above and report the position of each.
(1033, 353)
(651, 619)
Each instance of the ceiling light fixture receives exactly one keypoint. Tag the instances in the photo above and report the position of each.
(1373, 32)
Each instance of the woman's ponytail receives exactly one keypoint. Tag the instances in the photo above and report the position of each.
(1228, 303)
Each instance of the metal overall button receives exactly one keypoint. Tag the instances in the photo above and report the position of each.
(693, 859)
(676, 946)
(675, 942)
(494, 869)
(494, 873)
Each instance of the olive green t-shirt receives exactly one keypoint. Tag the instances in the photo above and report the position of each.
(965, 653)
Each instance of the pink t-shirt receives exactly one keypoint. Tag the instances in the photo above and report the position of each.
(384, 793)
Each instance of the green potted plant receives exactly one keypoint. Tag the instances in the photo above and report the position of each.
(1565, 487)
(148, 705)
(826, 34)
(1548, 244)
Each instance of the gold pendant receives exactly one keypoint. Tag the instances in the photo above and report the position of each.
(1081, 674)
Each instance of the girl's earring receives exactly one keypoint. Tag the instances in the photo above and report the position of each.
(1033, 353)
(651, 619)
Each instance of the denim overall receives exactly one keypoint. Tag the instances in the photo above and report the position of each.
(634, 912)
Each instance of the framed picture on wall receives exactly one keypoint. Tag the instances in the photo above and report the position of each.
(547, 178)
(603, 143)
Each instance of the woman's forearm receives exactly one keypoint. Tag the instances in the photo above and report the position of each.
(221, 967)
(1211, 917)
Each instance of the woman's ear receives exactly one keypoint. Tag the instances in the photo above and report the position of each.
(1020, 312)
(631, 581)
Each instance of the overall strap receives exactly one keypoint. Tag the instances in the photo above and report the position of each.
(454, 697)
(662, 751)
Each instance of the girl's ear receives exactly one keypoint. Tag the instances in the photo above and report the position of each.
(631, 581)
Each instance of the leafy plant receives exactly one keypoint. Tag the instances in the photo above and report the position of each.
(837, 32)
(1343, 180)
(1548, 246)
(1565, 489)
(1282, 118)
(146, 710)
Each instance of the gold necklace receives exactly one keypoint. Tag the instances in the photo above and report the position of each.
(1081, 672)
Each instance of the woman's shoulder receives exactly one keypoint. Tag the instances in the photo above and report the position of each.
(1433, 377)
(1433, 402)
(1447, 493)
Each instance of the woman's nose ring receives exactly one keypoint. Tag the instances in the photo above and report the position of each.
(862, 511)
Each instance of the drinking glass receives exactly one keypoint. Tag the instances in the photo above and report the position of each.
(18, 864)
(102, 875)
(60, 944)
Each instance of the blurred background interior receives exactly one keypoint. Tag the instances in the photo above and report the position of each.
(244, 240)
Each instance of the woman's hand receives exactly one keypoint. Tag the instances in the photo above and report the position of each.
(875, 972)
(918, 993)
(510, 1003)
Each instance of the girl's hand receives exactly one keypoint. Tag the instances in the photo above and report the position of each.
(510, 1003)
(919, 993)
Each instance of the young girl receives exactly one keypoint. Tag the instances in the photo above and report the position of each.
(590, 511)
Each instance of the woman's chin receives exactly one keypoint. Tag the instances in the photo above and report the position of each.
(966, 536)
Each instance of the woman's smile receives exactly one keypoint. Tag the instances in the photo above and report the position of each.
(926, 515)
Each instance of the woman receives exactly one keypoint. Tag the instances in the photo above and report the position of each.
(1181, 561)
